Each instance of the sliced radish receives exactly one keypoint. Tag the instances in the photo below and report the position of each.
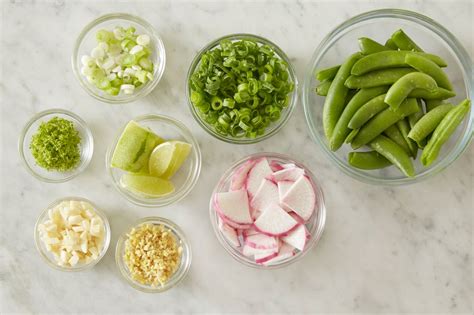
(240, 175)
(249, 232)
(283, 187)
(297, 238)
(262, 241)
(250, 251)
(292, 174)
(275, 221)
(275, 166)
(262, 258)
(266, 194)
(230, 234)
(234, 205)
(231, 223)
(288, 165)
(286, 251)
(296, 217)
(300, 198)
(257, 174)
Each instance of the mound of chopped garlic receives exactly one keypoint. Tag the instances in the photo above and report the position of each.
(73, 233)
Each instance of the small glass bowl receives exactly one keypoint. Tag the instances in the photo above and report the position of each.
(379, 25)
(184, 179)
(86, 146)
(315, 224)
(274, 127)
(179, 274)
(49, 258)
(87, 41)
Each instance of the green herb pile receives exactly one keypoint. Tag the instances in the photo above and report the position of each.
(240, 87)
(55, 146)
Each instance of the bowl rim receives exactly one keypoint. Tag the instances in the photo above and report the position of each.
(278, 125)
(178, 276)
(319, 218)
(76, 119)
(45, 256)
(159, 46)
(178, 194)
(459, 52)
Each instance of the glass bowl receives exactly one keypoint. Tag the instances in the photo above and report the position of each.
(315, 224)
(87, 41)
(179, 274)
(379, 25)
(274, 127)
(49, 258)
(184, 179)
(86, 146)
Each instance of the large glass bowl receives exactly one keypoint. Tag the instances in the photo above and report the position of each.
(274, 127)
(87, 41)
(315, 224)
(379, 25)
(184, 179)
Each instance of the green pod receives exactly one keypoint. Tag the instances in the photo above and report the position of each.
(390, 44)
(443, 131)
(367, 111)
(394, 153)
(404, 128)
(404, 42)
(396, 136)
(369, 46)
(370, 160)
(341, 130)
(335, 100)
(382, 121)
(351, 135)
(400, 90)
(438, 94)
(428, 123)
(427, 66)
(389, 59)
(377, 78)
(327, 74)
(431, 104)
(413, 118)
(323, 88)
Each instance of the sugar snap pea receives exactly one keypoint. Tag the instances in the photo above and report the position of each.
(377, 78)
(413, 118)
(430, 104)
(351, 135)
(335, 100)
(396, 136)
(382, 121)
(438, 93)
(428, 123)
(341, 130)
(390, 44)
(427, 66)
(327, 74)
(323, 88)
(404, 128)
(394, 153)
(369, 160)
(388, 59)
(402, 88)
(369, 46)
(404, 42)
(367, 111)
(443, 131)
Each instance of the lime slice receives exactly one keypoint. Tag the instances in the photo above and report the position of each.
(147, 186)
(161, 158)
(181, 153)
(134, 147)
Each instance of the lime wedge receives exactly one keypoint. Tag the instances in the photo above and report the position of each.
(161, 158)
(181, 153)
(134, 148)
(146, 186)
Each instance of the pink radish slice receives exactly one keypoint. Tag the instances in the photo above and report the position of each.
(266, 194)
(249, 232)
(234, 205)
(240, 175)
(230, 234)
(275, 221)
(300, 198)
(297, 217)
(292, 174)
(297, 238)
(232, 223)
(286, 251)
(250, 251)
(288, 165)
(262, 241)
(257, 174)
(283, 187)
(275, 166)
(262, 258)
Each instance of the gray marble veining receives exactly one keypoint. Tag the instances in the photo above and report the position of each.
(384, 250)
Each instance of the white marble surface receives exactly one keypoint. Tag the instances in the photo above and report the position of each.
(385, 250)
